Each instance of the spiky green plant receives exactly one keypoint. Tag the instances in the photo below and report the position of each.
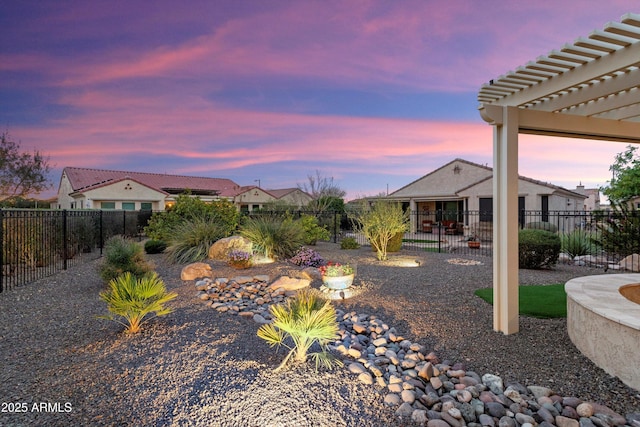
(578, 243)
(192, 239)
(275, 237)
(123, 255)
(133, 299)
(304, 320)
(381, 223)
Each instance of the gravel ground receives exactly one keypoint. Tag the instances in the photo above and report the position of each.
(60, 365)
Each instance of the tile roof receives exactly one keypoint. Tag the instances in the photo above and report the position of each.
(83, 179)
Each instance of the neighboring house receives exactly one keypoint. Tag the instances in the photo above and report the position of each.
(592, 201)
(292, 196)
(82, 188)
(462, 185)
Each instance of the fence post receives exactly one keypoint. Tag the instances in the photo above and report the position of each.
(101, 240)
(1, 250)
(64, 239)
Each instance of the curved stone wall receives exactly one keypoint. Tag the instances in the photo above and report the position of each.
(604, 325)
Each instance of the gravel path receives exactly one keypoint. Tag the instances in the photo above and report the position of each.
(61, 366)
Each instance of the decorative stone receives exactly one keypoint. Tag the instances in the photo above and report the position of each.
(585, 410)
(493, 382)
(289, 284)
(222, 246)
(392, 399)
(196, 270)
(405, 410)
(365, 378)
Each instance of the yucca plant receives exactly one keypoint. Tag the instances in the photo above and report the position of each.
(123, 255)
(134, 298)
(578, 243)
(274, 237)
(303, 321)
(192, 239)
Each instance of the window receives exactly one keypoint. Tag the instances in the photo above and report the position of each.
(146, 206)
(108, 205)
(129, 206)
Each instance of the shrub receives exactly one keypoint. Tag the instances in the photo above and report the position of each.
(274, 237)
(380, 224)
(134, 298)
(123, 256)
(303, 321)
(578, 243)
(394, 244)
(161, 225)
(620, 235)
(313, 231)
(155, 246)
(542, 225)
(349, 243)
(538, 248)
(192, 239)
(306, 257)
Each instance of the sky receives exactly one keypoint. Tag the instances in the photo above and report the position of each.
(374, 94)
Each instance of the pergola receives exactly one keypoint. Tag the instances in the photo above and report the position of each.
(589, 89)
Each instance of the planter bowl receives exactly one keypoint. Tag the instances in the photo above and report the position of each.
(338, 282)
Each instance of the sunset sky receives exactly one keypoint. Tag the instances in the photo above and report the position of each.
(372, 93)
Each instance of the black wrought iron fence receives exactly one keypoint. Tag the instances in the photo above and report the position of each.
(38, 243)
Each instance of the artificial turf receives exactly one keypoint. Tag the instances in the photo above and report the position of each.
(543, 301)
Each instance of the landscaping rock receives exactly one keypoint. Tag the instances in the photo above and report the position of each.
(197, 270)
(221, 247)
(289, 283)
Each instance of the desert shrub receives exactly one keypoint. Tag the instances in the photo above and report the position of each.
(542, 225)
(578, 243)
(349, 243)
(394, 244)
(161, 225)
(313, 231)
(133, 299)
(192, 239)
(307, 257)
(620, 234)
(380, 224)
(274, 237)
(303, 321)
(121, 256)
(155, 246)
(538, 248)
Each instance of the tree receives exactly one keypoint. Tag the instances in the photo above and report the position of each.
(324, 192)
(21, 173)
(380, 224)
(625, 183)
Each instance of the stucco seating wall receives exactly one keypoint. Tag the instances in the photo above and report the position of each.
(604, 325)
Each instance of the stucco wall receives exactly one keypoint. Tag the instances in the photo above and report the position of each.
(445, 181)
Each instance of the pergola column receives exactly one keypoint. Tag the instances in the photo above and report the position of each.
(505, 221)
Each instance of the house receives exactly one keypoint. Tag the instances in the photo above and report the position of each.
(83, 188)
(251, 198)
(592, 201)
(460, 185)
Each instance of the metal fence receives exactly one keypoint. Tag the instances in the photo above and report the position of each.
(588, 238)
(39, 243)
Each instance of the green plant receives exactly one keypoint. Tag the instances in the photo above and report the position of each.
(274, 237)
(303, 321)
(336, 269)
(349, 243)
(394, 244)
(307, 257)
(313, 231)
(538, 248)
(192, 239)
(134, 298)
(381, 223)
(542, 225)
(620, 234)
(122, 256)
(161, 225)
(548, 301)
(578, 243)
(155, 246)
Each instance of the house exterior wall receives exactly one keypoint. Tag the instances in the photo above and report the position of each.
(252, 199)
(64, 200)
(445, 181)
(297, 198)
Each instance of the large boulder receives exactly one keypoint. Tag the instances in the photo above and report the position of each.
(220, 248)
(632, 263)
(289, 283)
(197, 270)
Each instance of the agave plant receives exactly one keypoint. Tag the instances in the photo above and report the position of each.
(133, 299)
(304, 321)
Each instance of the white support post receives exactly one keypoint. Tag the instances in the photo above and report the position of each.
(505, 222)
(413, 210)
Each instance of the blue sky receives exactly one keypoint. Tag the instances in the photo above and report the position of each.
(372, 93)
